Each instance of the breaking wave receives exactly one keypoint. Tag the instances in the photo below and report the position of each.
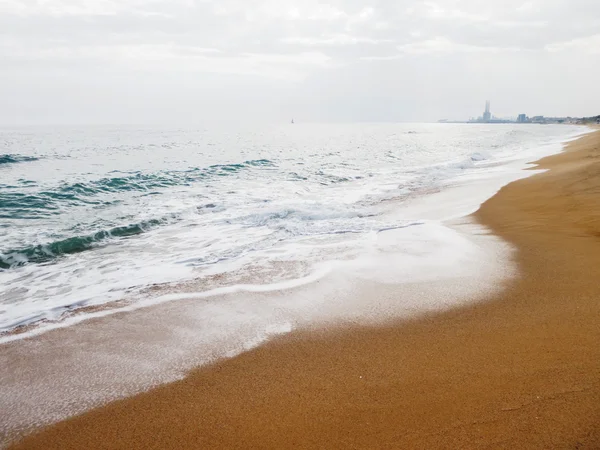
(49, 202)
(13, 159)
(145, 182)
(43, 253)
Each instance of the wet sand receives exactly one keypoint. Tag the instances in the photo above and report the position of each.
(521, 370)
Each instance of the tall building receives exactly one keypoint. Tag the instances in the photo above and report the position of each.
(522, 118)
(487, 115)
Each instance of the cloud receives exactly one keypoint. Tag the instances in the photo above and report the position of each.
(589, 44)
(335, 39)
(299, 46)
(445, 45)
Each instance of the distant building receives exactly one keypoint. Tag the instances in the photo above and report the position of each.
(522, 118)
(487, 115)
(488, 118)
(538, 119)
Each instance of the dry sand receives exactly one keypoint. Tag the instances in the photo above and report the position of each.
(519, 371)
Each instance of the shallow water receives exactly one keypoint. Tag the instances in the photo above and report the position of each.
(68, 371)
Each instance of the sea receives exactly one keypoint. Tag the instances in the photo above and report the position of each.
(96, 219)
(132, 255)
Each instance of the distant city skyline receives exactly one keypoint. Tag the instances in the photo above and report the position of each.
(488, 117)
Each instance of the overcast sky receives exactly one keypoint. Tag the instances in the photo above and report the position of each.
(139, 61)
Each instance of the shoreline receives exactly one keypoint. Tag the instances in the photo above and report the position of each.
(162, 344)
(517, 370)
(469, 180)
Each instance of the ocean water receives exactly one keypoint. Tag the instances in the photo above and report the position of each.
(129, 216)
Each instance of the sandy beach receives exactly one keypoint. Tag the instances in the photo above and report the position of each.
(521, 370)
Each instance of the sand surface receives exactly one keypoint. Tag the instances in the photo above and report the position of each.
(518, 371)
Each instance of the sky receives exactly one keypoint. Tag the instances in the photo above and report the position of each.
(188, 61)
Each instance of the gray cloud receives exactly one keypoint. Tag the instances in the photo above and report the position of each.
(155, 60)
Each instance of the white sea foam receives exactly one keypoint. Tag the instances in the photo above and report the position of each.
(296, 192)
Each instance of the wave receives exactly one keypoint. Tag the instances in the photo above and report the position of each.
(328, 178)
(145, 182)
(43, 253)
(28, 205)
(10, 158)
(314, 221)
(18, 205)
(477, 156)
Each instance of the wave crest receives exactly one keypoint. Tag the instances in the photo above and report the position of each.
(48, 202)
(42, 253)
(11, 158)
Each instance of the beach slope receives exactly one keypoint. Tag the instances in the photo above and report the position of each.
(521, 370)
